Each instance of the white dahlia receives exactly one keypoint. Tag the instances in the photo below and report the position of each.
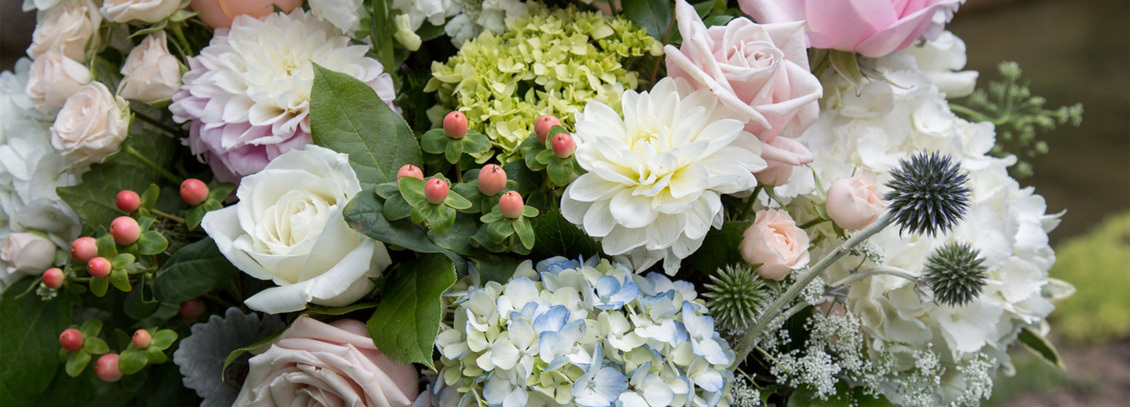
(247, 95)
(655, 177)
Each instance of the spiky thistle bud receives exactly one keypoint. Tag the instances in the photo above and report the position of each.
(955, 273)
(928, 193)
(734, 296)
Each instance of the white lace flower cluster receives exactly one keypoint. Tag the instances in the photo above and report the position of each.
(1007, 224)
(592, 334)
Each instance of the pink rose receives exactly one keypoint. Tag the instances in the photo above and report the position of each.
(27, 253)
(760, 71)
(219, 13)
(70, 28)
(318, 364)
(54, 78)
(870, 27)
(776, 243)
(853, 203)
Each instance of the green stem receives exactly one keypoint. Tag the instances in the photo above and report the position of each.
(975, 115)
(813, 222)
(889, 271)
(163, 172)
(168, 216)
(172, 131)
(748, 341)
(178, 33)
(751, 200)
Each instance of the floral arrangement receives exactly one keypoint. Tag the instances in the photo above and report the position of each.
(454, 203)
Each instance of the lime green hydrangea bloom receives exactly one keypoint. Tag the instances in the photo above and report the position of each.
(547, 62)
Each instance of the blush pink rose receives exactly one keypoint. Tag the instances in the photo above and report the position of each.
(872, 28)
(219, 13)
(855, 202)
(776, 243)
(318, 364)
(758, 70)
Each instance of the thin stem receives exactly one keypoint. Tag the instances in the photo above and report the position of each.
(750, 339)
(178, 33)
(975, 115)
(813, 222)
(168, 216)
(890, 271)
(751, 200)
(172, 131)
(163, 172)
(666, 40)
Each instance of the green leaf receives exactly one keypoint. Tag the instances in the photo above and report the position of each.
(219, 192)
(434, 141)
(132, 361)
(90, 328)
(163, 339)
(499, 231)
(347, 116)
(560, 172)
(76, 363)
(847, 66)
(194, 216)
(318, 309)
(106, 247)
(138, 307)
(525, 232)
(653, 15)
(526, 180)
(440, 218)
(93, 198)
(99, 286)
(364, 215)
(29, 343)
(120, 280)
(122, 261)
(149, 197)
(396, 208)
(152, 243)
(453, 151)
(194, 270)
(406, 323)
(458, 238)
(1040, 346)
(475, 143)
(412, 190)
(495, 268)
(719, 248)
(95, 346)
(555, 236)
(456, 201)
(156, 356)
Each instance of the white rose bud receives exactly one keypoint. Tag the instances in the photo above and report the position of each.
(288, 228)
(27, 253)
(151, 73)
(91, 126)
(54, 78)
(71, 26)
(150, 11)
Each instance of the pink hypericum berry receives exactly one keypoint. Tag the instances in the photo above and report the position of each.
(128, 201)
(193, 191)
(71, 340)
(436, 190)
(455, 124)
(125, 230)
(140, 339)
(511, 205)
(544, 124)
(563, 145)
(83, 249)
(53, 278)
(192, 308)
(409, 170)
(107, 368)
(98, 267)
(492, 180)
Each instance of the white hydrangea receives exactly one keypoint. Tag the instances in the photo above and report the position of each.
(1008, 224)
(474, 16)
(589, 334)
(343, 14)
(435, 12)
(942, 61)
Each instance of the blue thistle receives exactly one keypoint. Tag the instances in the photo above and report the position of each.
(928, 193)
(955, 273)
(734, 296)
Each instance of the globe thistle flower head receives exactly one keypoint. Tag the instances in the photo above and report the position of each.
(955, 273)
(734, 297)
(928, 193)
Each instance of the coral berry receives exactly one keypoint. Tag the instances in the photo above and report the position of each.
(193, 191)
(436, 190)
(543, 125)
(192, 308)
(71, 340)
(125, 230)
(409, 170)
(127, 201)
(107, 368)
(563, 145)
(492, 180)
(140, 339)
(83, 249)
(53, 278)
(98, 267)
(511, 205)
(455, 124)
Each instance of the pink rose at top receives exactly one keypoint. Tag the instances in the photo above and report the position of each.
(872, 28)
(318, 364)
(758, 70)
(855, 202)
(219, 13)
(776, 243)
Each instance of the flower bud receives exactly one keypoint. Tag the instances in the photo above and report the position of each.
(140, 339)
(98, 267)
(92, 125)
(853, 203)
(511, 205)
(193, 308)
(776, 243)
(775, 174)
(193, 191)
(83, 249)
(436, 190)
(492, 180)
(27, 252)
(409, 170)
(151, 73)
(107, 368)
(543, 125)
(455, 124)
(53, 278)
(54, 78)
(125, 230)
(127, 201)
(71, 340)
(563, 145)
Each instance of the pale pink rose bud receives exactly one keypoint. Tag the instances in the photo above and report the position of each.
(91, 126)
(775, 174)
(151, 73)
(855, 202)
(149, 11)
(28, 253)
(54, 78)
(492, 180)
(776, 243)
(68, 28)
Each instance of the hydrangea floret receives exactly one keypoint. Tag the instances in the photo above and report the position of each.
(547, 62)
(588, 333)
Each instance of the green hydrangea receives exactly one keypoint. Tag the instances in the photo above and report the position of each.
(547, 62)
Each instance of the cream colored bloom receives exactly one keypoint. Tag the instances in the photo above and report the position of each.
(54, 78)
(151, 73)
(72, 26)
(149, 11)
(91, 126)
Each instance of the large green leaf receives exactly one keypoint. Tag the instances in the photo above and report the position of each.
(347, 116)
(364, 215)
(93, 199)
(406, 322)
(720, 248)
(653, 15)
(29, 343)
(555, 236)
(194, 270)
(1040, 346)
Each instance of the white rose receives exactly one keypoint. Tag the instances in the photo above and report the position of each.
(30, 5)
(151, 73)
(54, 78)
(70, 26)
(941, 60)
(288, 228)
(150, 11)
(91, 126)
(27, 253)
